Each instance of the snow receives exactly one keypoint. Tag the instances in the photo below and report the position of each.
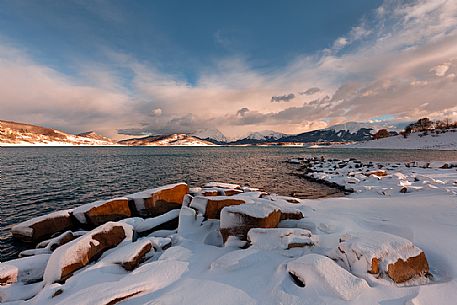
(446, 141)
(222, 185)
(264, 135)
(26, 269)
(142, 225)
(320, 273)
(280, 238)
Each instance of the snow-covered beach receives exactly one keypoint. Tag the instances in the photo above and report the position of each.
(392, 241)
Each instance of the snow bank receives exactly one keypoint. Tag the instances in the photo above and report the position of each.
(321, 273)
(281, 238)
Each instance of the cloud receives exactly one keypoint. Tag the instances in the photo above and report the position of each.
(310, 91)
(401, 59)
(440, 70)
(283, 98)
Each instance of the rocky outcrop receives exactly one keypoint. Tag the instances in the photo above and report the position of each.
(239, 219)
(131, 255)
(102, 211)
(383, 253)
(40, 228)
(78, 253)
(154, 202)
(26, 270)
(211, 207)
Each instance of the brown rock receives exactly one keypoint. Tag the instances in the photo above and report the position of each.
(103, 211)
(374, 266)
(402, 271)
(296, 215)
(135, 260)
(377, 173)
(214, 207)
(247, 216)
(88, 248)
(158, 201)
(208, 193)
(43, 227)
(232, 192)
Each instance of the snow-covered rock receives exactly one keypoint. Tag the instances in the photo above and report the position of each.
(143, 226)
(380, 252)
(130, 255)
(211, 207)
(157, 201)
(322, 274)
(48, 246)
(42, 227)
(78, 253)
(102, 211)
(237, 220)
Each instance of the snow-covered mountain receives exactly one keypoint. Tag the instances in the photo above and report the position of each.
(13, 133)
(176, 139)
(211, 135)
(265, 135)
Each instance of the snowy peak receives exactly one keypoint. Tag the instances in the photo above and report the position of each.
(212, 135)
(354, 127)
(176, 139)
(265, 135)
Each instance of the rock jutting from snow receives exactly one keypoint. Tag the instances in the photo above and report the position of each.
(237, 220)
(78, 253)
(382, 253)
(154, 202)
(281, 238)
(102, 211)
(42, 227)
(26, 270)
(211, 207)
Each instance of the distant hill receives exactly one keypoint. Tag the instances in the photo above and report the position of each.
(176, 139)
(210, 135)
(95, 136)
(13, 133)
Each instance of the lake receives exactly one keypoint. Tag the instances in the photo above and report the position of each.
(38, 180)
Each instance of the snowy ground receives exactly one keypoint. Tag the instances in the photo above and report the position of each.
(199, 269)
(441, 141)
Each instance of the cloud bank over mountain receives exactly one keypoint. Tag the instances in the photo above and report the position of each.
(400, 60)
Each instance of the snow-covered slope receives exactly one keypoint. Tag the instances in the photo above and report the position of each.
(265, 135)
(95, 136)
(210, 135)
(176, 139)
(12, 133)
(442, 141)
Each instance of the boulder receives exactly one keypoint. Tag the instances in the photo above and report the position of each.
(222, 185)
(167, 221)
(130, 255)
(102, 211)
(26, 270)
(231, 192)
(211, 207)
(43, 227)
(281, 238)
(208, 193)
(382, 253)
(157, 201)
(237, 220)
(65, 260)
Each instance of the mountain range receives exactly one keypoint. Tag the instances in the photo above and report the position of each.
(13, 133)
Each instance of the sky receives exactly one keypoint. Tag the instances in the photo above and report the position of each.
(124, 68)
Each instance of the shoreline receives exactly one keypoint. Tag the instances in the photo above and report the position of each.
(404, 209)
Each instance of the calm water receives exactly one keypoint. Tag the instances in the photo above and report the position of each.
(38, 180)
